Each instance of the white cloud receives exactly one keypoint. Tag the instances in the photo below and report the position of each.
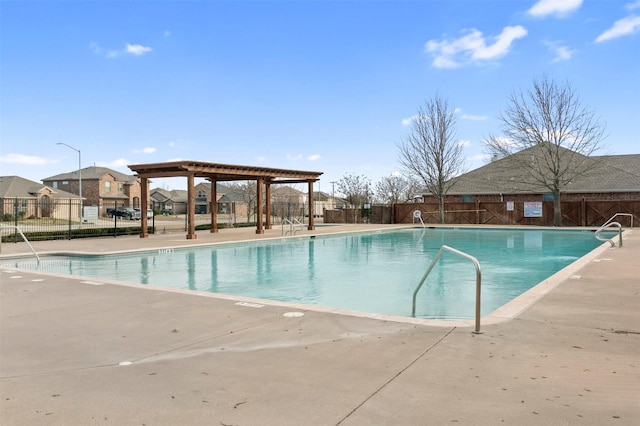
(473, 47)
(147, 150)
(558, 8)
(314, 157)
(622, 27)
(473, 117)
(631, 6)
(137, 49)
(167, 33)
(117, 163)
(464, 143)
(294, 157)
(29, 160)
(131, 49)
(561, 53)
(261, 159)
(408, 121)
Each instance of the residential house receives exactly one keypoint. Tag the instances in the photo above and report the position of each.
(23, 198)
(610, 177)
(203, 196)
(101, 187)
(502, 192)
(168, 201)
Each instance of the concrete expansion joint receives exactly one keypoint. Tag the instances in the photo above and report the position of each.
(398, 374)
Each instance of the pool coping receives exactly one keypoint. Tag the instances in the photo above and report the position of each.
(504, 313)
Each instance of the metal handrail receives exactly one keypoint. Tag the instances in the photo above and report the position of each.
(417, 214)
(478, 281)
(292, 226)
(616, 215)
(26, 240)
(603, 227)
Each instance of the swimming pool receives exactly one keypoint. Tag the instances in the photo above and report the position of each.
(374, 272)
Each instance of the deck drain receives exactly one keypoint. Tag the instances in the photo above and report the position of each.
(293, 314)
(124, 363)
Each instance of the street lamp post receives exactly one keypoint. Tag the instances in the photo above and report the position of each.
(79, 176)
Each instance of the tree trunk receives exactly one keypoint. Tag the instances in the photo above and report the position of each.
(441, 208)
(557, 212)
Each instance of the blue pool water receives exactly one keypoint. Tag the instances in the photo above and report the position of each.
(371, 272)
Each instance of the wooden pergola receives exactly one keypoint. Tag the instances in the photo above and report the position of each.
(264, 177)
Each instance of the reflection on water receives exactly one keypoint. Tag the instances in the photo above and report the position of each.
(372, 272)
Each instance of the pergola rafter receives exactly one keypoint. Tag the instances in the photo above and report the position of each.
(214, 172)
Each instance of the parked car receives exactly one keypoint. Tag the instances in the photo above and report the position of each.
(149, 213)
(124, 213)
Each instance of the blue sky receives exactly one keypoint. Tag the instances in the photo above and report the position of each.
(323, 86)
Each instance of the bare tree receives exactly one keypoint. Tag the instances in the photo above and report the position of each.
(355, 189)
(247, 192)
(430, 151)
(549, 136)
(395, 189)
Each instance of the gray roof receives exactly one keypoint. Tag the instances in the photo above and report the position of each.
(220, 188)
(608, 173)
(93, 173)
(174, 195)
(17, 187)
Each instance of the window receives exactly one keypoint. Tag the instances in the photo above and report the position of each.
(467, 198)
(54, 184)
(120, 188)
(547, 197)
(107, 186)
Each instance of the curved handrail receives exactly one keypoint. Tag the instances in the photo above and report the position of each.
(616, 215)
(417, 214)
(17, 228)
(478, 281)
(608, 225)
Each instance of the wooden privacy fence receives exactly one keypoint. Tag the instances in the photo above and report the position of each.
(574, 213)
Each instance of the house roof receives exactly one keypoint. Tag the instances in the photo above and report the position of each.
(17, 187)
(285, 191)
(609, 173)
(174, 195)
(220, 188)
(93, 173)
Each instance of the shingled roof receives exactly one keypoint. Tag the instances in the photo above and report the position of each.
(17, 187)
(93, 173)
(608, 173)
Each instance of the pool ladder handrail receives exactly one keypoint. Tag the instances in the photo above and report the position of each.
(478, 281)
(292, 226)
(417, 214)
(608, 225)
(619, 214)
(26, 240)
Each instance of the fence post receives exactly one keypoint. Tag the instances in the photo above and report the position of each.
(70, 206)
(15, 219)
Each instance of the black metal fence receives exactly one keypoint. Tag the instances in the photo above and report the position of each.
(68, 219)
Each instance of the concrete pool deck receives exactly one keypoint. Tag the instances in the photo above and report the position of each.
(76, 352)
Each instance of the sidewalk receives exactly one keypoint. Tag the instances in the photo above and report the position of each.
(76, 352)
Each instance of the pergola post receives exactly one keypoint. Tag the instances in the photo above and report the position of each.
(191, 210)
(311, 226)
(267, 197)
(144, 205)
(214, 206)
(259, 229)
